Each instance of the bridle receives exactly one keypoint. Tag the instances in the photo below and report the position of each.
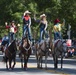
(25, 48)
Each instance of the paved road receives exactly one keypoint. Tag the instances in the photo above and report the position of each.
(69, 68)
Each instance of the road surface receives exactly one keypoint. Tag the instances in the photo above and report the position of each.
(69, 67)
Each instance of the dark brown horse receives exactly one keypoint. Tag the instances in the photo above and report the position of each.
(10, 55)
(25, 52)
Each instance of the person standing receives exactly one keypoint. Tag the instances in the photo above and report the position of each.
(42, 26)
(27, 24)
(13, 30)
(57, 29)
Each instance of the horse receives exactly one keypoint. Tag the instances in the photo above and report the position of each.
(42, 49)
(59, 50)
(10, 55)
(25, 52)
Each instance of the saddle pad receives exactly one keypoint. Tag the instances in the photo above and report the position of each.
(56, 42)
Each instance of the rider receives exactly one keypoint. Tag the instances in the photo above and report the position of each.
(27, 24)
(57, 29)
(5, 40)
(4, 44)
(13, 30)
(43, 26)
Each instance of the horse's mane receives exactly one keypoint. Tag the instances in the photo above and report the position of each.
(12, 44)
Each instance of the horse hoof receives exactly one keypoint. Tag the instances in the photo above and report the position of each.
(25, 69)
(10, 69)
(7, 68)
(45, 68)
(37, 66)
(55, 68)
(40, 68)
(61, 68)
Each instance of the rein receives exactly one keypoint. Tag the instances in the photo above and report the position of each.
(27, 48)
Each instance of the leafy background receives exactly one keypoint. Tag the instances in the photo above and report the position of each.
(62, 9)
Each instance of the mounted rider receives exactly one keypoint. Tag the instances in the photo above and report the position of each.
(4, 44)
(27, 24)
(5, 40)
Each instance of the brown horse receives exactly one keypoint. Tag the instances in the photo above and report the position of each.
(25, 52)
(10, 55)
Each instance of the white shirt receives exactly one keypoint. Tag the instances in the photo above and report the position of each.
(12, 29)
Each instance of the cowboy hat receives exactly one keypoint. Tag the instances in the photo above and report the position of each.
(43, 15)
(56, 21)
(27, 12)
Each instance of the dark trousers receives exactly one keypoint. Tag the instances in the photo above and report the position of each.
(11, 36)
(57, 35)
(27, 30)
(5, 42)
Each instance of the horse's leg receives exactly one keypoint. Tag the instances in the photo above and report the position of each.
(37, 61)
(6, 64)
(14, 63)
(37, 58)
(28, 57)
(41, 60)
(21, 62)
(56, 64)
(55, 61)
(54, 56)
(61, 61)
(21, 58)
(45, 61)
(25, 62)
(10, 61)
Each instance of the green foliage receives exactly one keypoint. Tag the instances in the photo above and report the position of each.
(14, 9)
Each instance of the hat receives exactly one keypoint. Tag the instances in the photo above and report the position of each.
(56, 21)
(43, 15)
(27, 12)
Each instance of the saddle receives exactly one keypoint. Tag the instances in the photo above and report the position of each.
(56, 42)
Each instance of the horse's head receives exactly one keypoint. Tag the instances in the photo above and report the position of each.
(47, 42)
(25, 41)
